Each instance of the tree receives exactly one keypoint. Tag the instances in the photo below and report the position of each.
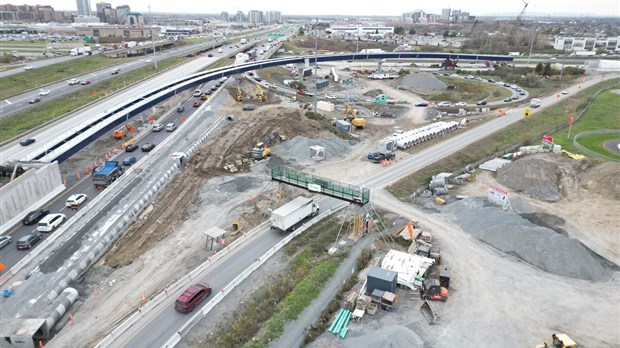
(399, 30)
(548, 71)
(539, 68)
(301, 31)
(411, 31)
(446, 33)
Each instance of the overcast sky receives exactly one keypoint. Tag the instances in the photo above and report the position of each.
(355, 8)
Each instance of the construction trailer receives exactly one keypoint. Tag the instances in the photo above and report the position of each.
(381, 279)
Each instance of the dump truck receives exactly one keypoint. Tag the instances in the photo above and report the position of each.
(289, 216)
(104, 176)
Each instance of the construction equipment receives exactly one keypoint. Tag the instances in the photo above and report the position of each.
(432, 290)
(559, 341)
(429, 312)
(239, 96)
(261, 150)
(351, 116)
(120, 133)
(260, 94)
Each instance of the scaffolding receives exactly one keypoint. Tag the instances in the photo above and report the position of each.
(346, 192)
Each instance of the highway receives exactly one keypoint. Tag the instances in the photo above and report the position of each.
(11, 255)
(161, 323)
(37, 64)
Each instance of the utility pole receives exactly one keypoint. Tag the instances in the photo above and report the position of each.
(316, 48)
(357, 41)
(152, 39)
(531, 45)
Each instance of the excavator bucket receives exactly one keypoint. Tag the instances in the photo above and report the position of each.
(429, 312)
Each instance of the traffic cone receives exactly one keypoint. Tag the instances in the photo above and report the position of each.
(71, 319)
(78, 175)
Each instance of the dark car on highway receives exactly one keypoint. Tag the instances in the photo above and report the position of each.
(86, 82)
(147, 147)
(34, 216)
(27, 241)
(34, 100)
(507, 99)
(131, 147)
(181, 109)
(26, 142)
(196, 104)
(482, 102)
(422, 104)
(129, 160)
(192, 297)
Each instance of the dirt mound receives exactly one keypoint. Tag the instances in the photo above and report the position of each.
(603, 179)
(298, 148)
(538, 245)
(392, 336)
(373, 92)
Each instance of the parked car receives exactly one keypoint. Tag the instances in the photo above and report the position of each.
(522, 92)
(28, 67)
(85, 83)
(158, 127)
(73, 82)
(26, 142)
(192, 297)
(147, 147)
(5, 240)
(482, 102)
(461, 104)
(210, 55)
(196, 104)
(34, 100)
(129, 160)
(44, 92)
(34, 216)
(50, 222)
(131, 147)
(422, 104)
(444, 104)
(515, 97)
(507, 99)
(330, 96)
(27, 241)
(76, 200)
(181, 109)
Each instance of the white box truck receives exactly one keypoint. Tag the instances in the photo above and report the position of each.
(289, 216)
(243, 41)
(535, 102)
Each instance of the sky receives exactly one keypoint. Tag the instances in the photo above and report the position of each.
(353, 8)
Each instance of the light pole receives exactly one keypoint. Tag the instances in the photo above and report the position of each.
(152, 39)
(357, 36)
(531, 45)
(316, 48)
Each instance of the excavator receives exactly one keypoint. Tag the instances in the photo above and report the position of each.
(351, 116)
(260, 94)
(261, 150)
(239, 96)
(120, 133)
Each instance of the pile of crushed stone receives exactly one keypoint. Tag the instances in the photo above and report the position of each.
(539, 246)
(422, 80)
(298, 148)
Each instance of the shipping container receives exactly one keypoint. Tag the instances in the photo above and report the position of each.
(381, 279)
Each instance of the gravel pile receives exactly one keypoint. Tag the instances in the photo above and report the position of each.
(543, 193)
(298, 149)
(422, 80)
(222, 189)
(537, 245)
(390, 336)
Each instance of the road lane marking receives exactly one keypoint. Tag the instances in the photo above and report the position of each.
(8, 102)
(92, 74)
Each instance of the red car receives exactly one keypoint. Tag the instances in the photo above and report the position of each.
(192, 297)
(86, 82)
(301, 91)
(196, 104)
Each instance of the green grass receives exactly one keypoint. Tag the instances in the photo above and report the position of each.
(36, 78)
(518, 134)
(20, 123)
(469, 91)
(275, 74)
(596, 143)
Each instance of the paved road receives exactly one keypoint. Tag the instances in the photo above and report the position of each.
(37, 64)
(162, 323)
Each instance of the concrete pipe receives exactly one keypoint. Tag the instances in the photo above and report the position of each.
(63, 303)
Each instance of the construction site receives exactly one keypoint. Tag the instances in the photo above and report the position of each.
(450, 268)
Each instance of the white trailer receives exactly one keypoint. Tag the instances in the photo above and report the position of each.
(289, 216)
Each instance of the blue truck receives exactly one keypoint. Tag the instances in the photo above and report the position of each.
(105, 175)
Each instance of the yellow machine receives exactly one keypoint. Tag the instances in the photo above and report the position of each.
(239, 96)
(260, 94)
(261, 150)
(120, 133)
(351, 116)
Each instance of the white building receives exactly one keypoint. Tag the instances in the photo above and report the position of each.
(586, 43)
(362, 30)
(84, 8)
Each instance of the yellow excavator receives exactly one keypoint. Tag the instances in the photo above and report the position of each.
(351, 116)
(262, 150)
(260, 94)
(239, 96)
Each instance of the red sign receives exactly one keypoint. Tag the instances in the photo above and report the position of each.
(547, 139)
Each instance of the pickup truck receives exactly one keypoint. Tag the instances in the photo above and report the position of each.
(377, 156)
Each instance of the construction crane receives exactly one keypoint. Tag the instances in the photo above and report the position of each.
(519, 20)
(239, 96)
(260, 94)
(351, 115)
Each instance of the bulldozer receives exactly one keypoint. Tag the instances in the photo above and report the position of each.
(260, 95)
(239, 96)
(120, 133)
(262, 150)
(351, 116)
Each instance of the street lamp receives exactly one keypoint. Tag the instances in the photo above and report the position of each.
(152, 38)
(316, 48)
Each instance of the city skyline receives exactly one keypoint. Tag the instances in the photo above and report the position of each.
(363, 8)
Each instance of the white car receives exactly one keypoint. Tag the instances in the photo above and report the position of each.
(565, 91)
(158, 127)
(330, 96)
(73, 82)
(44, 92)
(149, 61)
(461, 104)
(444, 104)
(76, 200)
(28, 67)
(50, 222)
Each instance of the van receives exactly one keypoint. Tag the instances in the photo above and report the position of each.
(170, 127)
(50, 222)
(197, 93)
